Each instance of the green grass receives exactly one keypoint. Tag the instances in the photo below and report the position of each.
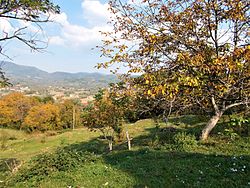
(80, 159)
(24, 146)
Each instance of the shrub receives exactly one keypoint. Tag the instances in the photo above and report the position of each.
(237, 126)
(104, 116)
(231, 133)
(45, 164)
(184, 141)
(240, 124)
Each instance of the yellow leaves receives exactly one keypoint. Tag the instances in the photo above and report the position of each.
(238, 51)
(152, 39)
(135, 70)
(189, 81)
(43, 117)
(14, 106)
(108, 51)
(99, 65)
(238, 64)
(175, 51)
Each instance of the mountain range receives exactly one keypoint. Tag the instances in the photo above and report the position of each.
(34, 77)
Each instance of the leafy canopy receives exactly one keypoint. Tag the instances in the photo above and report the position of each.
(192, 51)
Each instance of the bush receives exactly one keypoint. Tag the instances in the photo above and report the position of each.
(237, 126)
(231, 133)
(45, 164)
(184, 141)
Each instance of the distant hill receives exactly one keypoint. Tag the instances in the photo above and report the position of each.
(32, 76)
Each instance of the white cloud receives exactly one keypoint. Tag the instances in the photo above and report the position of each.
(30, 27)
(61, 18)
(56, 40)
(225, 36)
(5, 26)
(95, 14)
(81, 36)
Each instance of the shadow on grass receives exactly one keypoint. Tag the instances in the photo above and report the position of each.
(153, 168)
(97, 146)
(188, 120)
(163, 168)
(148, 167)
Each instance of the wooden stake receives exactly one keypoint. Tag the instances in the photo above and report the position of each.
(128, 140)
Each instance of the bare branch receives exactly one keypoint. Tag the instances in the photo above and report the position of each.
(236, 104)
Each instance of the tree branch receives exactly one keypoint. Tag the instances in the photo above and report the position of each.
(26, 19)
(236, 104)
(215, 105)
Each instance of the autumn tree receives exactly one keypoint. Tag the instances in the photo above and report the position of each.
(14, 108)
(134, 104)
(104, 116)
(195, 51)
(42, 118)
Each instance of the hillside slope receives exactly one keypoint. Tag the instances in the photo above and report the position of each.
(32, 76)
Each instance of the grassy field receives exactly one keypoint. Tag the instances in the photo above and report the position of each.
(80, 158)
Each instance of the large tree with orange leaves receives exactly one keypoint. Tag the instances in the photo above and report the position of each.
(196, 51)
(13, 109)
(43, 117)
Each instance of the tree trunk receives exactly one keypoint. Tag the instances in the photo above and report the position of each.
(210, 125)
(128, 140)
(74, 118)
(110, 145)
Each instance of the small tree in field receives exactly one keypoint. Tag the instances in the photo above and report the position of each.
(104, 116)
(196, 52)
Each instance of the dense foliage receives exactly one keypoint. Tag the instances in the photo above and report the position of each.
(189, 52)
(38, 114)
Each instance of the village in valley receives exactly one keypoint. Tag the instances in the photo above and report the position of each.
(57, 93)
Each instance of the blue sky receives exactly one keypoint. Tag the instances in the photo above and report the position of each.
(71, 38)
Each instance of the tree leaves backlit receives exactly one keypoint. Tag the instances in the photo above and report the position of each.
(196, 51)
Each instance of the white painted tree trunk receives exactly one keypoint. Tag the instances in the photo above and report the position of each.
(128, 140)
(110, 145)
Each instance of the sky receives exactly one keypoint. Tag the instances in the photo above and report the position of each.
(72, 36)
